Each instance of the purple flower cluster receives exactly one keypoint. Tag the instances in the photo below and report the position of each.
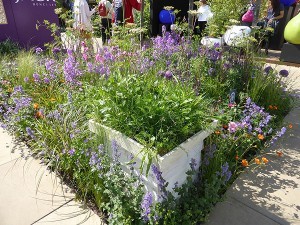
(95, 161)
(71, 70)
(278, 135)
(146, 206)
(209, 153)
(225, 172)
(161, 183)
(30, 132)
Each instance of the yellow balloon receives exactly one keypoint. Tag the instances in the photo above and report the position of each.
(292, 30)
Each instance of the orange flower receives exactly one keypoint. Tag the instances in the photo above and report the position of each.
(290, 126)
(236, 157)
(217, 132)
(261, 137)
(265, 160)
(35, 105)
(279, 153)
(270, 107)
(275, 107)
(257, 161)
(245, 162)
(39, 115)
(225, 127)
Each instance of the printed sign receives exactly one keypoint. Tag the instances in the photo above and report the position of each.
(22, 19)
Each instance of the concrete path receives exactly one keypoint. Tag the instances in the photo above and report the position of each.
(30, 194)
(269, 195)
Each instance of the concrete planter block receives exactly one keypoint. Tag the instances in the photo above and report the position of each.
(173, 165)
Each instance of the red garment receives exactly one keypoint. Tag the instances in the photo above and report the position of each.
(128, 5)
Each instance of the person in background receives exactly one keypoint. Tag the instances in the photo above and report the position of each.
(275, 11)
(118, 8)
(82, 16)
(125, 6)
(204, 14)
(105, 19)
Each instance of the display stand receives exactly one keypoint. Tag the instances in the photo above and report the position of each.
(290, 53)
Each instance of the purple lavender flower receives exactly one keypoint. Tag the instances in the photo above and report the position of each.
(283, 73)
(56, 50)
(30, 132)
(26, 79)
(193, 164)
(71, 151)
(146, 206)
(225, 172)
(115, 150)
(36, 77)
(168, 74)
(161, 183)
(211, 71)
(38, 50)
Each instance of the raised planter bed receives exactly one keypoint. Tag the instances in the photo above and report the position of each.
(173, 165)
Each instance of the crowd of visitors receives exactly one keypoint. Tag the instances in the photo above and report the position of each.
(117, 12)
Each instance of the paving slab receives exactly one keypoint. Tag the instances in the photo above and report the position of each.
(28, 192)
(233, 212)
(71, 213)
(7, 147)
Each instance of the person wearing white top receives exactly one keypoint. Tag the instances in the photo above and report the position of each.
(82, 15)
(106, 20)
(204, 14)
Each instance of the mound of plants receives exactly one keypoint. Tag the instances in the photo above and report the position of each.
(159, 95)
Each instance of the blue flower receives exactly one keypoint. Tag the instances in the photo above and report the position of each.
(146, 206)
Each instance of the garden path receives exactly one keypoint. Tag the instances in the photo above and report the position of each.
(269, 195)
(30, 194)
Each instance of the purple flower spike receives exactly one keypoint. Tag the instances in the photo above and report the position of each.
(283, 73)
(168, 74)
(146, 206)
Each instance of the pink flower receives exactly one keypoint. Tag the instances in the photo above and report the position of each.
(85, 56)
(232, 127)
(99, 58)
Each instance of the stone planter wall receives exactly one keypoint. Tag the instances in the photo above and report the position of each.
(173, 165)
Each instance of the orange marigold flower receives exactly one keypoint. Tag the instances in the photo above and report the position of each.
(236, 157)
(39, 115)
(270, 107)
(257, 161)
(265, 160)
(225, 127)
(290, 126)
(260, 136)
(279, 153)
(35, 105)
(245, 162)
(217, 132)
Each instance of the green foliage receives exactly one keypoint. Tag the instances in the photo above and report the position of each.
(9, 48)
(225, 13)
(151, 110)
